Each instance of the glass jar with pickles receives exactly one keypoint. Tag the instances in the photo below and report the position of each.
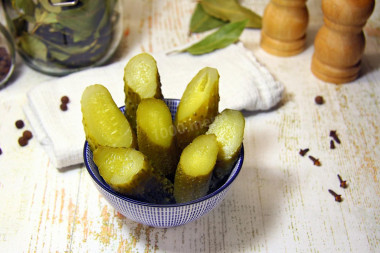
(59, 37)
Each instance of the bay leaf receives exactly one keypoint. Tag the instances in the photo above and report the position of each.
(44, 17)
(231, 10)
(221, 38)
(84, 19)
(33, 46)
(25, 7)
(201, 21)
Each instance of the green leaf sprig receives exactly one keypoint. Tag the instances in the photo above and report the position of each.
(201, 21)
(210, 14)
(228, 15)
(221, 38)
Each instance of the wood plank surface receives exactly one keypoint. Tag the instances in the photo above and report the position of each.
(279, 202)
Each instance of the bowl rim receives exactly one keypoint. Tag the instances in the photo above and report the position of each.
(238, 165)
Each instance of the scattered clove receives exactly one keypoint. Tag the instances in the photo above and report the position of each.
(338, 198)
(303, 151)
(316, 161)
(334, 135)
(332, 145)
(343, 183)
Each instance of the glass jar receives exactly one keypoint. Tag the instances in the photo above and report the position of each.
(59, 37)
(7, 55)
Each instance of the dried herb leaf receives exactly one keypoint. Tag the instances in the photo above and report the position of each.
(231, 10)
(201, 21)
(33, 46)
(24, 6)
(44, 17)
(223, 37)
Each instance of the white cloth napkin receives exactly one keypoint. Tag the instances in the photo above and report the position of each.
(244, 85)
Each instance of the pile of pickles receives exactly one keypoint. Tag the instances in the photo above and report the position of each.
(146, 155)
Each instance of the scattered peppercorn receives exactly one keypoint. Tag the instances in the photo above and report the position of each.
(319, 100)
(5, 63)
(316, 161)
(338, 198)
(334, 135)
(27, 134)
(343, 183)
(63, 107)
(303, 151)
(19, 124)
(22, 141)
(65, 99)
(332, 145)
(1, 151)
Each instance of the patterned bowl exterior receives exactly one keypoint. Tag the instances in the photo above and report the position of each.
(156, 215)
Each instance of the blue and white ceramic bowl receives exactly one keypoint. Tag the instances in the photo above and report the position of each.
(156, 215)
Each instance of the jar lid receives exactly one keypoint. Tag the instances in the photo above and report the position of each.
(7, 55)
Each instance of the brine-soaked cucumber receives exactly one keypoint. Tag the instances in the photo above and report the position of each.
(228, 127)
(129, 172)
(198, 106)
(141, 80)
(195, 167)
(104, 124)
(155, 135)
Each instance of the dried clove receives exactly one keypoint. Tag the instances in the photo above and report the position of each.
(303, 151)
(343, 183)
(338, 198)
(334, 135)
(316, 161)
(332, 145)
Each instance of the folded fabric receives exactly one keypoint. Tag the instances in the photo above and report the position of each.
(244, 85)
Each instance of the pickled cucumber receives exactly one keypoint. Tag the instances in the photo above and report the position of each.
(104, 124)
(195, 167)
(129, 172)
(228, 127)
(141, 80)
(198, 106)
(155, 135)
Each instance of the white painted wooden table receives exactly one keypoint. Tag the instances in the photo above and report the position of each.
(280, 201)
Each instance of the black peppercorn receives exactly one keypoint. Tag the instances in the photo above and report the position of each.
(319, 100)
(19, 124)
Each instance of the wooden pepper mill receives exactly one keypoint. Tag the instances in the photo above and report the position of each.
(340, 42)
(283, 31)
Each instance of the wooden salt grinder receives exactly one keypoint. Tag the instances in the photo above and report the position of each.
(283, 31)
(340, 42)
